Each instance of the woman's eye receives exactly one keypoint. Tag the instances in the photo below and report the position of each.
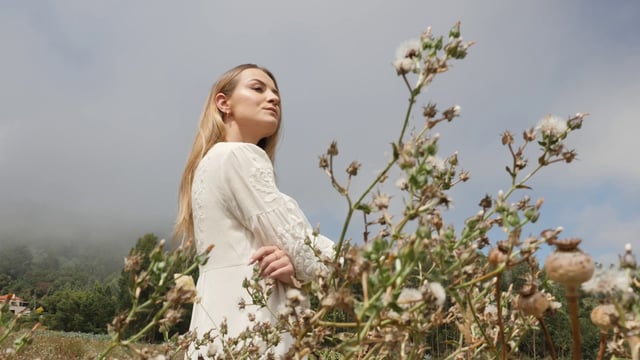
(257, 88)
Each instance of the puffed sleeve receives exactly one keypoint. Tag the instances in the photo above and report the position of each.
(273, 217)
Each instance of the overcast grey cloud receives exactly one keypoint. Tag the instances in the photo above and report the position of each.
(99, 104)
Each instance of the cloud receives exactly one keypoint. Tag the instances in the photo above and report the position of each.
(100, 101)
(609, 230)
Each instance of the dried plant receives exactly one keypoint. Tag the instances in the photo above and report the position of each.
(166, 282)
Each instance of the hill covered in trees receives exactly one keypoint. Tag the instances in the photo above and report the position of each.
(75, 287)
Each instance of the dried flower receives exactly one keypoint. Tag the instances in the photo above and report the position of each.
(171, 317)
(323, 163)
(553, 126)
(529, 135)
(429, 111)
(406, 159)
(451, 112)
(576, 121)
(402, 184)
(436, 162)
(628, 260)
(409, 296)
(333, 149)
(569, 156)
(132, 263)
(381, 201)
(404, 66)
(406, 56)
(464, 176)
(352, 169)
(438, 292)
(507, 138)
(294, 295)
(183, 292)
(607, 281)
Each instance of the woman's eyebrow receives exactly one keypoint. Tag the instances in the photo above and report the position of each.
(265, 85)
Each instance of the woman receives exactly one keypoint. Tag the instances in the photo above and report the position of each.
(228, 198)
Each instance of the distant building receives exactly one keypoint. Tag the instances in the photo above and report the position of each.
(17, 305)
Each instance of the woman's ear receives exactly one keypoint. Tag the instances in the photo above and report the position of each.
(222, 103)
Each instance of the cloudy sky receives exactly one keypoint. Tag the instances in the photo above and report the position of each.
(99, 103)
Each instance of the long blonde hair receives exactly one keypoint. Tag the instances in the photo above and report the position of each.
(211, 130)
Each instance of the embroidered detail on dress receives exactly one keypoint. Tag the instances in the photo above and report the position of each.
(296, 238)
(197, 189)
(261, 178)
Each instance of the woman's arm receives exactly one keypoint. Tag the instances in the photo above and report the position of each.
(274, 218)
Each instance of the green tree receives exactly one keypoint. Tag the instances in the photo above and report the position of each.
(81, 310)
(139, 254)
(15, 260)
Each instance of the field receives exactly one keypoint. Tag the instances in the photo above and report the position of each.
(56, 345)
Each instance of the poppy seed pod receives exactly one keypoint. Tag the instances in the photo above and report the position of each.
(568, 265)
(497, 256)
(532, 302)
(604, 316)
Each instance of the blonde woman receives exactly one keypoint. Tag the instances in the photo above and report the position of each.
(228, 198)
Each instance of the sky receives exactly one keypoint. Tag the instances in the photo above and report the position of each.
(99, 103)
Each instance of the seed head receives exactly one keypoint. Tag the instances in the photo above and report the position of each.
(568, 265)
(333, 149)
(323, 162)
(529, 135)
(381, 201)
(352, 169)
(430, 111)
(553, 126)
(507, 138)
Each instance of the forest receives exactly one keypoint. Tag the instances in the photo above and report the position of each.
(73, 287)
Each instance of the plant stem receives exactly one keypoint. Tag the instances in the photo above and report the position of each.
(572, 300)
(634, 345)
(354, 205)
(475, 318)
(547, 337)
(603, 345)
(503, 345)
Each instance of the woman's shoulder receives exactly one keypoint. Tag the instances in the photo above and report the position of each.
(232, 151)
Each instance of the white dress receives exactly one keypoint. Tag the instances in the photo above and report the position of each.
(238, 208)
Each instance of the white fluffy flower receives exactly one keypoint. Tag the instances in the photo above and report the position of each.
(404, 66)
(607, 281)
(406, 56)
(408, 49)
(294, 295)
(490, 311)
(438, 292)
(409, 295)
(436, 162)
(402, 184)
(552, 125)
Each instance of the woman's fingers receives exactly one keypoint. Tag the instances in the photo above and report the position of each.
(274, 263)
(262, 252)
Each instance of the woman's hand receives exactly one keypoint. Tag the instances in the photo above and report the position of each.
(275, 264)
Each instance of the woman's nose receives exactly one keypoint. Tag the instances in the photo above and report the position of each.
(274, 98)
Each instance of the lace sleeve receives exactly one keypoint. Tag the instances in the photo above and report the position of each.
(273, 217)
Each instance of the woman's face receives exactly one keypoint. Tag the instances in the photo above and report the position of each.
(254, 105)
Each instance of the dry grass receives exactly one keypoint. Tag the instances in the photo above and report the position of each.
(56, 345)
